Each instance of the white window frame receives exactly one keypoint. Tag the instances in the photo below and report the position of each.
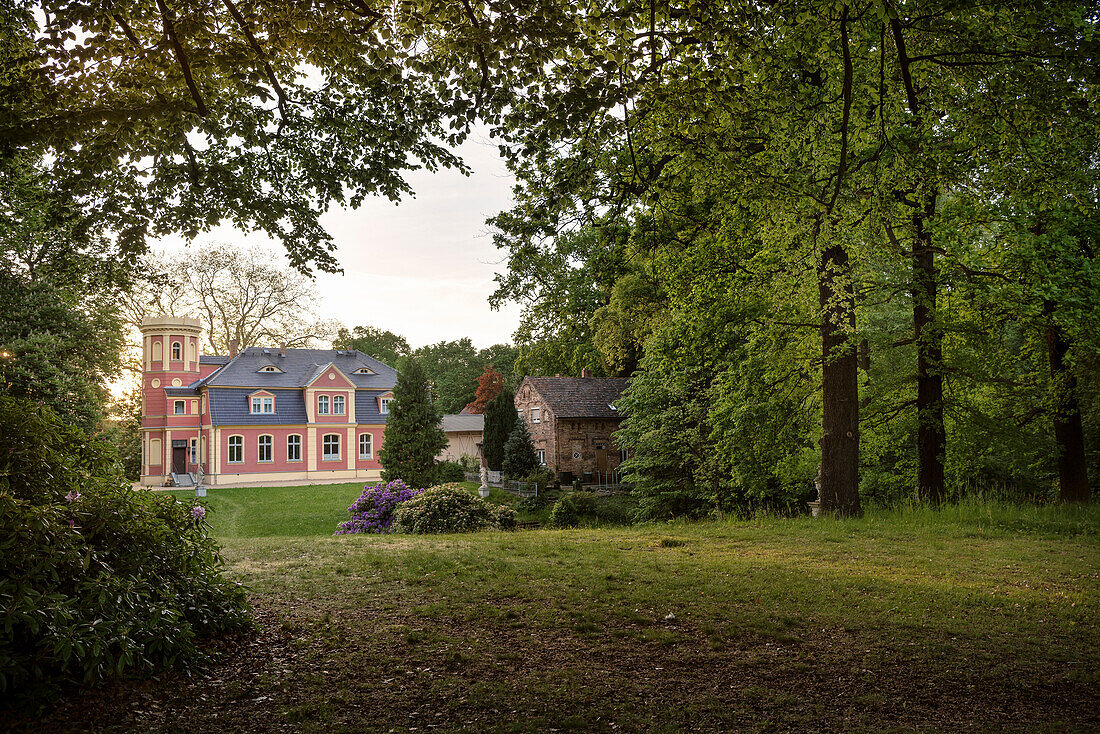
(536, 414)
(322, 405)
(239, 446)
(269, 405)
(296, 445)
(193, 449)
(325, 454)
(255, 406)
(370, 446)
(541, 453)
(177, 349)
(384, 405)
(261, 445)
(179, 407)
(339, 405)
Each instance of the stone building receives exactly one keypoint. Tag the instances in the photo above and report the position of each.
(571, 421)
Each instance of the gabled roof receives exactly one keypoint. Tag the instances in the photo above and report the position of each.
(299, 367)
(579, 397)
(463, 423)
(213, 359)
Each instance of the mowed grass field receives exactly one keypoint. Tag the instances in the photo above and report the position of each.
(977, 618)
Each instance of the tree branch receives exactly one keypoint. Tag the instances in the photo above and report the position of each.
(181, 57)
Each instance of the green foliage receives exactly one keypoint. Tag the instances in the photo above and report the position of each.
(207, 128)
(447, 508)
(96, 579)
(520, 458)
(572, 509)
(414, 431)
(453, 369)
(502, 517)
(385, 346)
(500, 419)
(449, 471)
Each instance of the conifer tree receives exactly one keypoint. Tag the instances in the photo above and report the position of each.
(414, 433)
(519, 453)
(500, 419)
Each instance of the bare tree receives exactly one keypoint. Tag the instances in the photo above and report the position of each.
(242, 295)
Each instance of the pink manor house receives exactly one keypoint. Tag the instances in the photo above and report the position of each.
(261, 415)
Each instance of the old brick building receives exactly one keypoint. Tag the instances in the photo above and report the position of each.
(571, 421)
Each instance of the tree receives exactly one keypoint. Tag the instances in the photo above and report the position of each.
(453, 369)
(520, 458)
(384, 346)
(489, 386)
(414, 431)
(172, 117)
(239, 295)
(500, 419)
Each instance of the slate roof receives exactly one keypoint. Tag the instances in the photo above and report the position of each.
(463, 423)
(580, 397)
(213, 359)
(179, 392)
(229, 406)
(298, 368)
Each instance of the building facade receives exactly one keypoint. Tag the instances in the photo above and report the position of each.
(464, 435)
(572, 420)
(261, 415)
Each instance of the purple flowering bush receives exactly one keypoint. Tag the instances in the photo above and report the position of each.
(373, 511)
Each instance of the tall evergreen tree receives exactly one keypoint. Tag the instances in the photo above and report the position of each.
(414, 433)
(519, 453)
(500, 419)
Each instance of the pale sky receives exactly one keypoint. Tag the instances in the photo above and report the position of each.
(422, 268)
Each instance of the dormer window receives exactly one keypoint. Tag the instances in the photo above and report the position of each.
(384, 405)
(270, 368)
(363, 371)
(177, 351)
(262, 404)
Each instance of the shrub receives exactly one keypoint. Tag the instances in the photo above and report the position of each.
(572, 508)
(503, 517)
(535, 503)
(448, 508)
(96, 579)
(449, 471)
(519, 453)
(470, 464)
(373, 511)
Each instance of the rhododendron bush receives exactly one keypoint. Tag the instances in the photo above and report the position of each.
(373, 511)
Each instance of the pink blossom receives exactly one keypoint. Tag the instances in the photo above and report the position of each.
(73, 495)
(198, 512)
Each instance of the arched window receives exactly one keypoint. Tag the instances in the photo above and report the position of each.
(263, 448)
(322, 405)
(330, 447)
(177, 351)
(157, 350)
(236, 450)
(294, 447)
(338, 404)
(366, 446)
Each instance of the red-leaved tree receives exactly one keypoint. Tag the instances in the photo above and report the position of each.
(489, 385)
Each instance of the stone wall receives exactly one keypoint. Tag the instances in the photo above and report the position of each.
(542, 433)
(579, 442)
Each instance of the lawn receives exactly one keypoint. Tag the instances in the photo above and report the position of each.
(977, 618)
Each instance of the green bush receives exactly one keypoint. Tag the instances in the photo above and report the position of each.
(96, 579)
(503, 517)
(449, 471)
(570, 510)
(448, 508)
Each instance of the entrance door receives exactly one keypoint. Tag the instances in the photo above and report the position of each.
(179, 459)
(601, 460)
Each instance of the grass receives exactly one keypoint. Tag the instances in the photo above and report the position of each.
(974, 617)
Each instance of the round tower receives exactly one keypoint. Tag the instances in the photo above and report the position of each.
(170, 359)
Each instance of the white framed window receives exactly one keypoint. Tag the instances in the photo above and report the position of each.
(366, 446)
(541, 453)
(337, 404)
(194, 451)
(294, 447)
(236, 450)
(384, 405)
(180, 407)
(263, 448)
(261, 404)
(536, 415)
(322, 405)
(177, 351)
(330, 447)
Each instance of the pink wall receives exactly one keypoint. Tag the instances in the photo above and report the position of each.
(251, 450)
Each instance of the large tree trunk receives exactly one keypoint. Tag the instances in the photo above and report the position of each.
(1073, 478)
(931, 436)
(839, 472)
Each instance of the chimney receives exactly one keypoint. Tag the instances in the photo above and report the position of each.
(282, 349)
(233, 347)
(586, 372)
